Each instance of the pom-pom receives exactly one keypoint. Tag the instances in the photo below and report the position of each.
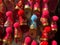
(45, 13)
(44, 35)
(9, 13)
(54, 42)
(34, 17)
(8, 30)
(21, 12)
(27, 40)
(45, 1)
(47, 29)
(55, 18)
(34, 43)
(44, 43)
(16, 24)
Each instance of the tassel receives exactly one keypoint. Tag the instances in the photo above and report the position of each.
(33, 21)
(45, 13)
(8, 37)
(21, 15)
(33, 26)
(27, 11)
(17, 32)
(53, 24)
(9, 21)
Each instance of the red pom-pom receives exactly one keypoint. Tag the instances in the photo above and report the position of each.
(45, 1)
(55, 18)
(44, 43)
(47, 29)
(9, 13)
(21, 12)
(34, 43)
(16, 24)
(45, 13)
(8, 30)
(27, 40)
(54, 42)
(44, 35)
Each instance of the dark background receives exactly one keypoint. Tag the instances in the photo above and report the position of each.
(57, 36)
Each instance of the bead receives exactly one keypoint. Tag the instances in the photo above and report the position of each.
(34, 17)
(32, 26)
